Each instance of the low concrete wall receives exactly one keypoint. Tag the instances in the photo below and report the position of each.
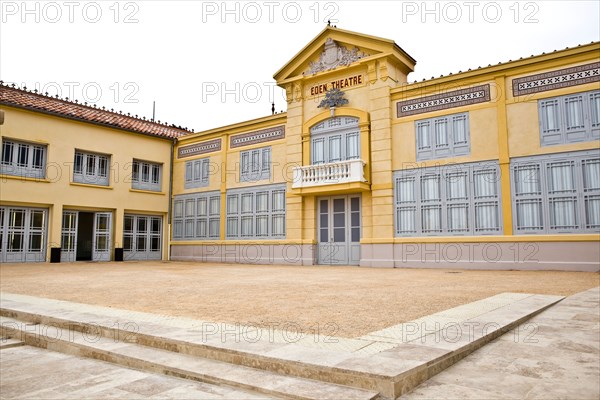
(561, 256)
(247, 253)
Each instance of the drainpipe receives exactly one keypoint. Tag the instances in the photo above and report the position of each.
(170, 201)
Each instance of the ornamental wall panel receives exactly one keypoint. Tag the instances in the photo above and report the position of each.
(199, 148)
(456, 98)
(264, 135)
(561, 78)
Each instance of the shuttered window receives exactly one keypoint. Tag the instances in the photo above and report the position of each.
(569, 119)
(459, 199)
(440, 137)
(556, 193)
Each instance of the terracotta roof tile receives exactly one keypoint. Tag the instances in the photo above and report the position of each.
(13, 96)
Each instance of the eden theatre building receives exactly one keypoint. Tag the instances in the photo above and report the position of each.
(497, 167)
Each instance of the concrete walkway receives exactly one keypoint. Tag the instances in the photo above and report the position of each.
(555, 355)
(32, 373)
(396, 359)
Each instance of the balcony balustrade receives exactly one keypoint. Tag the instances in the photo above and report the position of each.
(329, 174)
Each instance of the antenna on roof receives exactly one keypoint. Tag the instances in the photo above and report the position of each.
(153, 110)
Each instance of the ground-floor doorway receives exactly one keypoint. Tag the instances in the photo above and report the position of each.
(142, 237)
(339, 230)
(86, 236)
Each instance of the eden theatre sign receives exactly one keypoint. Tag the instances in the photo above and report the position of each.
(343, 83)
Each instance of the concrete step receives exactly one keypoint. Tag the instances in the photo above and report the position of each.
(133, 355)
(7, 343)
(394, 364)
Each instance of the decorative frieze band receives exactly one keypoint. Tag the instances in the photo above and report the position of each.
(457, 98)
(557, 79)
(199, 148)
(265, 135)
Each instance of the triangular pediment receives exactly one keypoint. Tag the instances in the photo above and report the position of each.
(335, 48)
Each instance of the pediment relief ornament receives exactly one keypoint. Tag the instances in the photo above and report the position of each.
(333, 56)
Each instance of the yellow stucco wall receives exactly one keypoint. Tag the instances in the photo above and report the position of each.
(57, 192)
(483, 128)
(225, 168)
(501, 129)
(524, 127)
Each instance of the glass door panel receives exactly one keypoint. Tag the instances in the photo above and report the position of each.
(102, 243)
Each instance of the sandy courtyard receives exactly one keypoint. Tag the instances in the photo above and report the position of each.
(342, 301)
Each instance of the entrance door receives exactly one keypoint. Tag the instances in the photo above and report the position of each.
(101, 244)
(142, 237)
(86, 236)
(339, 230)
(68, 245)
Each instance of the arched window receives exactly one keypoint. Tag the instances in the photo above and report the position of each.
(334, 140)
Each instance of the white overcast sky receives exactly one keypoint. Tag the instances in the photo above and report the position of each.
(208, 64)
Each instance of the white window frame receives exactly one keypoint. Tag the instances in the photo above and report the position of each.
(533, 188)
(343, 129)
(429, 132)
(248, 216)
(413, 203)
(153, 182)
(68, 242)
(91, 168)
(197, 173)
(255, 164)
(31, 166)
(197, 216)
(558, 127)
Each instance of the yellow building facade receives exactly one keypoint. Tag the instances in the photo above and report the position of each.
(451, 172)
(497, 167)
(81, 184)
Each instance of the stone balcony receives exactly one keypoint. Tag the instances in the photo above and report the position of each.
(349, 171)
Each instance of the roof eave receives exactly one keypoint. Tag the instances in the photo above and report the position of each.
(87, 121)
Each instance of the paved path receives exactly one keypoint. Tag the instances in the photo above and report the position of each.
(555, 355)
(31, 373)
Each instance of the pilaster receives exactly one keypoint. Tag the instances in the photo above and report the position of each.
(503, 155)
